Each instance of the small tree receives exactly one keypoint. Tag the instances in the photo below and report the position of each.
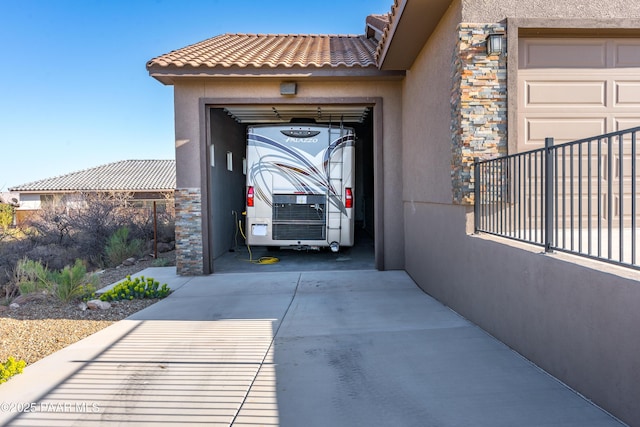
(6, 221)
(6, 215)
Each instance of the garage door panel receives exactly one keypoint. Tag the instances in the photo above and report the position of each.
(572, 88)
(562, 129)
(623, 123)
(565, 93)
(627, 54)
(627, 93)
(562, 53)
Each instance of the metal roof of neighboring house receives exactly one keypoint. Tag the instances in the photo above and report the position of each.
(125, 175)
(270, 50)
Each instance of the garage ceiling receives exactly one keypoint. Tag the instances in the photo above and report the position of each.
(284, 113)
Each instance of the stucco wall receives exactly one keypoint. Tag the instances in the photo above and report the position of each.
(29, 201)
(496, 10)
(188, 94)
(426, 130)
(187, 130)
(578, 323)
(572, 318)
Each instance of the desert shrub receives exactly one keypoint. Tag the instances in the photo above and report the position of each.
(138, 288)
(10, 253)
(31, 276)
(79, 226)
(161, 262)
(55, 257)
(10, 368)
(67, 284)
(120, 246)
(86, 222)
(73, 282)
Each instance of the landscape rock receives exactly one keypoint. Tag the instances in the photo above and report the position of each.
(82, 306)
(13, 305)
(96, 304)
(34, 296)
(166, 247)
(129, 261)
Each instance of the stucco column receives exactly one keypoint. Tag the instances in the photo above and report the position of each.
(189, 186)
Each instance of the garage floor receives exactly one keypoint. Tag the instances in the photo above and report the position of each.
(358, 257)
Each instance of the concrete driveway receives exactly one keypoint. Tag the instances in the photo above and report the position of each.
(338, 348)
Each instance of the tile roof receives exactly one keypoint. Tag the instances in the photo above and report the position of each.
(125, 175)
(392, 19)
(269, 50)
(379, 21)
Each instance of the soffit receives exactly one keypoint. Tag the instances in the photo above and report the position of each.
(411, 24)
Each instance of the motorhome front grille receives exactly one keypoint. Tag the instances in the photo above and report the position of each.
(298, 232)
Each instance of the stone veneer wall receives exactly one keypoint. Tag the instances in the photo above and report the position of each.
(478, 106)
(189, 247)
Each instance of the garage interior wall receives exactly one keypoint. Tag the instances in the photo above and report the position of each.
(226, 186)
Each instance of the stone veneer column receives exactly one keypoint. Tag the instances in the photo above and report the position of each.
(189, 248)
(478, 106)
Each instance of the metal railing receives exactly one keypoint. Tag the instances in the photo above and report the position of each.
(579, 197)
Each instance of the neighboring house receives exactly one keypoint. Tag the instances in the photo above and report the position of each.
(426, 99)
(10, 198)
(142, 181)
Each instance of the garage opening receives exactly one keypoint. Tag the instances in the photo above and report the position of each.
(226, 175)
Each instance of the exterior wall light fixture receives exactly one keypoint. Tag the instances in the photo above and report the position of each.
(495, 44)
(288, 88)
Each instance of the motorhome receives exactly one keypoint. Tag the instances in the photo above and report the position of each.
(300, 186)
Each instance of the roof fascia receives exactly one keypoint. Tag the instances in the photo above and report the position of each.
(168, 75)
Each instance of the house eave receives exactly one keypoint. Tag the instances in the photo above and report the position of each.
(411, 26)
(168, 75)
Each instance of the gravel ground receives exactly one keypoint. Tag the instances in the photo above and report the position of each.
(43, 326)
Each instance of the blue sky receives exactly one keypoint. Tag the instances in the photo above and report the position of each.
(74, 91)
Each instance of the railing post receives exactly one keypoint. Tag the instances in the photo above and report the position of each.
(476, 196)
(548, 194)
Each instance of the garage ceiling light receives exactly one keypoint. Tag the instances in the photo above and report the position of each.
(284, 113)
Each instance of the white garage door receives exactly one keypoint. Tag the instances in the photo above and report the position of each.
(570, 88)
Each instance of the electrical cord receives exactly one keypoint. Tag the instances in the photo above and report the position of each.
(262, 260)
